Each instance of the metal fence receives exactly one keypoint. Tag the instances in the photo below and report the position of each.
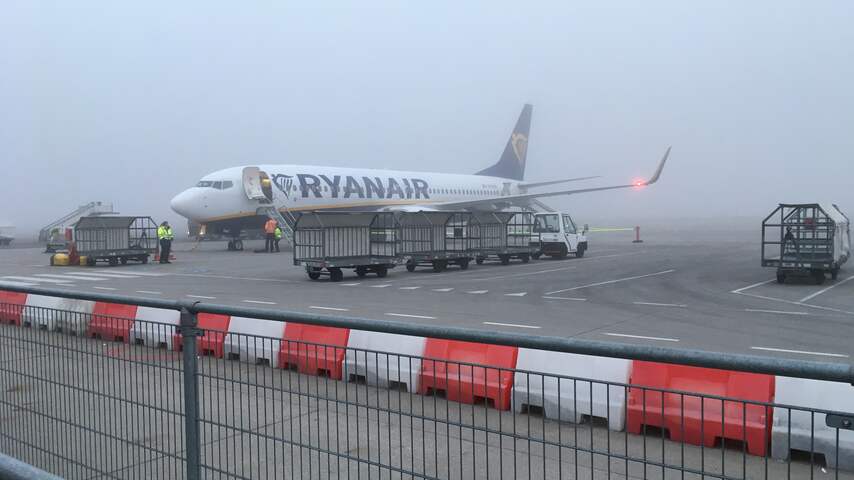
(177, 401)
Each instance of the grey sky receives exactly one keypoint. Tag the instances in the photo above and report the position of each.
(131, 103)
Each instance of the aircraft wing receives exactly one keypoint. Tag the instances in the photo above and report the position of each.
(526, 198)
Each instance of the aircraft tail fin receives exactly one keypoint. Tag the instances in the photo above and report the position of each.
(512, 162)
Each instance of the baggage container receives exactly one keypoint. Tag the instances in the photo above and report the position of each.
(435, 239)
(115, 239)
(503, 235)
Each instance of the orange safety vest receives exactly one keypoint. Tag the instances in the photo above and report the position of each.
(270, 226)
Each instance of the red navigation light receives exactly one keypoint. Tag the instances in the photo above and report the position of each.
(639, 183)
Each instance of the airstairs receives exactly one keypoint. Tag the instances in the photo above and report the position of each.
(89, 209)
(258, 187)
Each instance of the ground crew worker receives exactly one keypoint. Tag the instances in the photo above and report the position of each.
(277, 234)
(270, 231)
(165, 237)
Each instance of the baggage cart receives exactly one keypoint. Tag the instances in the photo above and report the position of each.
(435, 239)
(326, 243)
(115, 239)
(502, 235)
(806, 239)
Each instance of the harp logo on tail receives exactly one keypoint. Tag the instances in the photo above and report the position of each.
(519, 141)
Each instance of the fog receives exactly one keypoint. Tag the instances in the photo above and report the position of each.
(132, 102)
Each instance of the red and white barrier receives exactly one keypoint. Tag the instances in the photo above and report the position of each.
(154, 327)
(12, 307)
(687, 419)
(490, 378)
(566, 399)
(802, 430)
(112, 321)
(54, 313)
(402, 364)
(253, 340)
(313, 349)
(215, 327)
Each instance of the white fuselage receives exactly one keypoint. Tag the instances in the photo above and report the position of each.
(220, 195)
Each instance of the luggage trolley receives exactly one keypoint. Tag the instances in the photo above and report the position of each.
(115, 239)
(436, 239)
(504, 235)
(325, 243)
(807, 239)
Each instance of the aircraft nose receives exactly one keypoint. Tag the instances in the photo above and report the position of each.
(182, 204)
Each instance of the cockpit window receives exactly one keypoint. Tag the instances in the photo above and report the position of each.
(204, 184)
(227, 184)
(217, 185)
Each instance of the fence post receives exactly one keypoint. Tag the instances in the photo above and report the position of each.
(192, 439)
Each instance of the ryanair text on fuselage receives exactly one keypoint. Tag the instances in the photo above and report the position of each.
(338, 186)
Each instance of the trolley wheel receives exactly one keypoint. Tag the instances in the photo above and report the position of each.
(124, 260)
(439, 266)
(238, 245)
(579, 252)
(464, 264)
(382, 271)
(230, 247)
(536, 256)
(336, 275)
(818, 277)
(478, 260)
(525, 258)
(114, 261)
(90, 261)
(361, 272)
(834, 274)
(51, 260)
(143, 259)
(781, 278)
(410, 266)
(505, 259)
(313, 273)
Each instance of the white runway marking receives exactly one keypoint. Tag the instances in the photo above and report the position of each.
(510, 325)
(406, 315)
(660, 339)
(149, 292)
(102, 275)
(334, 309)
(574, 299)
(70, 278)
(35, 279)
(202, 297)
(742, 289)
(802, 352)
(105, 288)
(478, 292)
(526, 274)
(16, 284)
(791, 302)
(609, 282)
(653, 304)
(144, 274)
(409, 288)
(810, 297)
(381, 286)
(350, 284)
(227, 277)
(781, 312)
(260, 302)
(520, 294)
(442, 289)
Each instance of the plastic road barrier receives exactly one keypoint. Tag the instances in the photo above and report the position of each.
(681, 414)
(314, 350)
(801, 430)
(568, 399)
(12, 307)
(112, 321)
(253, 340)
(485, 379)
(54, 313)
(214, 329)
(155, 327)
(403, 367)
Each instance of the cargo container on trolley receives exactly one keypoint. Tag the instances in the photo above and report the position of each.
(115, 239)
(435, 239)
(806, 240)
(502, 236)
(326, 243)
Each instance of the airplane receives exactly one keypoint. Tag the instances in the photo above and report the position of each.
(229, 201)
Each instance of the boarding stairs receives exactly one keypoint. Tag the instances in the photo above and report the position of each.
(91, 208)
(284, 218)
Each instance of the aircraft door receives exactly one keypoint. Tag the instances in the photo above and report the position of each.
(257, 185)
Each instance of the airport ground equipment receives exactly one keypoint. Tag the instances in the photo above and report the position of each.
(806, 239)
(7, 235)
(87, 210)
(556, 235)
(502, 235)
(326, 243)
(435, 239)
(115, 239)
